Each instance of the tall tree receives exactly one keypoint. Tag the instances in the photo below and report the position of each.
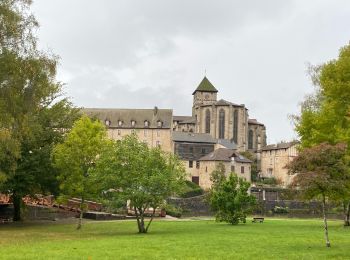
(325, 114)
(321, 173)
(75, 158)
(28, 94)
(141, 175)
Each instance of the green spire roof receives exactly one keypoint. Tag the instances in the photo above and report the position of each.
(205, 86)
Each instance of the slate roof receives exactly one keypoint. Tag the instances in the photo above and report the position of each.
(193, 137)
(254, 122)
(114, 115)
(205, 86)
(184, 119)
(227, 143)
(223, 102)
(279, 146)
(223, 154)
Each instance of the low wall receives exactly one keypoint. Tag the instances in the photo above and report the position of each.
(37, 213)
(195, 206)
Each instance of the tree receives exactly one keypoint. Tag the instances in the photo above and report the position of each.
(75, 158)
(141, 175)
(230, 199)
(28, 94)
(325, 114)
(321, 174)
(218, 175)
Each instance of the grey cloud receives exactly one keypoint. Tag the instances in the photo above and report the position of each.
(130, 53)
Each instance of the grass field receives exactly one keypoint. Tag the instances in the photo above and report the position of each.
(197, 239)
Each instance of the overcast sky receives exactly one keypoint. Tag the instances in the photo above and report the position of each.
(138, 54)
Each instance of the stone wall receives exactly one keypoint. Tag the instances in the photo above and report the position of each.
(38, 213)
(153, 137)
(195, 206)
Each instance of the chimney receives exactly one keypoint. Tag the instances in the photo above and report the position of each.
(155, 110)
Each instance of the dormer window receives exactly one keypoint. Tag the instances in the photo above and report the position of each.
(120, 123)
(107, 122)
(146, 123)
(159, 123)
(133, 123)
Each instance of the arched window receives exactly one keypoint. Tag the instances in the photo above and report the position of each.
(221, 124)
(250, 139)
(235, 126)
(207, 121)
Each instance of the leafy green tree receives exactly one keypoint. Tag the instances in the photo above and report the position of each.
(76, 156)
(230, 199)
(28, 95)
(321, 174)
(218, 175)
(325, 114)
(141, 175)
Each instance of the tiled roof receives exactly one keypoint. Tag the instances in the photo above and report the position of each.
(205, 86)
(254, 122)
(184, 119)
(126, 116)
(223, 154)
(279, 146)
(223, 102)
(193, 137)
(227, 143)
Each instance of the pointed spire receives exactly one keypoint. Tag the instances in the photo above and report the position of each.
(205, 86)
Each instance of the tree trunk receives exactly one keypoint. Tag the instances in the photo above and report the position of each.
(346, 214)
(149, 223)
(142, 221)
(137, 219)
(80, 221)
(17, 204)
(328, 244)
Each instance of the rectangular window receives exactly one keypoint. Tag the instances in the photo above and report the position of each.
(195, 179)
(206, 168)
(203, 151)
(119, 132)
(242, 169)
(191, 150)
(197, 164)
(190, 164)
(145, 133)
(232, 168)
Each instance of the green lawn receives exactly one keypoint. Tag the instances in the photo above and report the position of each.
(198, 239)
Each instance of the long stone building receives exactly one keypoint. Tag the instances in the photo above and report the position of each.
(215, 133)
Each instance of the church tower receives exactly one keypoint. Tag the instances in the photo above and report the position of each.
(205, 94)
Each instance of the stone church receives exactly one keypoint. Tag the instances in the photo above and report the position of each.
(222, 119)
(216, 132)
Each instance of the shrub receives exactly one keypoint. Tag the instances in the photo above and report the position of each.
(230, 200)
(173, 210)
(191, 190)
(280, 210)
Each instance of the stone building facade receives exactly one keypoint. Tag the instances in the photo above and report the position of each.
(152, 126)
(274, 158)
(232, 161)
(221, 119)
(216, 128)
